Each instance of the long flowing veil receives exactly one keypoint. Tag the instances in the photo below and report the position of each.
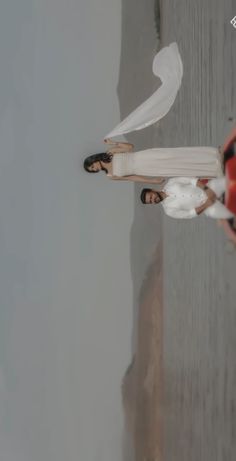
(168, 66)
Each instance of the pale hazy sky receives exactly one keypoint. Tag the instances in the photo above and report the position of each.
(65, 281)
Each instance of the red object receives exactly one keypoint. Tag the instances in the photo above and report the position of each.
(230, 195)
(231, 138)
(204, 181)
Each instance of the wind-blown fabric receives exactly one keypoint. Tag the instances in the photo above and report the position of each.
(168, 66)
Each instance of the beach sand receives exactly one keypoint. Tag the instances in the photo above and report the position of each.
(142, 388)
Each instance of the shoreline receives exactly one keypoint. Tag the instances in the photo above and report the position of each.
(142, 389)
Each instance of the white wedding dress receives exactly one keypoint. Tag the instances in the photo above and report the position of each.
(166, 162)
(180, 161)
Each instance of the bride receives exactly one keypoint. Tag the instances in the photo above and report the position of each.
(152, 165)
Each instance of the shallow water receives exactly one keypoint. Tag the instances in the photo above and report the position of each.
(199, 263)
(199, 408)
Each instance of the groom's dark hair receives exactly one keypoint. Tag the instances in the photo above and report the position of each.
(143, 194)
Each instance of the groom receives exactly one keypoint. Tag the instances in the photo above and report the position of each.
(189, 197)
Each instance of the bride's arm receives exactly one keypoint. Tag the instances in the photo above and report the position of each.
(142, 179)
(119, 150)
(119, 146)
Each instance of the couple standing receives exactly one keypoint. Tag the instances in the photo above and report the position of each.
(152, 166)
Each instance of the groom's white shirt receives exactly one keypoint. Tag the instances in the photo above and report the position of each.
(184, 196)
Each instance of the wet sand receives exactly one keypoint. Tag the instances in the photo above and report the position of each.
(142, 388)
(149, 391)
(199, 290)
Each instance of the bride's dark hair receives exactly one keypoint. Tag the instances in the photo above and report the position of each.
(91, 159)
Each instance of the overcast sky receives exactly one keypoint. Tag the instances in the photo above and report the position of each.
(65, 281)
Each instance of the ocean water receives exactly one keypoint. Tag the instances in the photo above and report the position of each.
(199, 408)
(199, 263)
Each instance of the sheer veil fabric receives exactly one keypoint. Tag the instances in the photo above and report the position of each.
(168, 66)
